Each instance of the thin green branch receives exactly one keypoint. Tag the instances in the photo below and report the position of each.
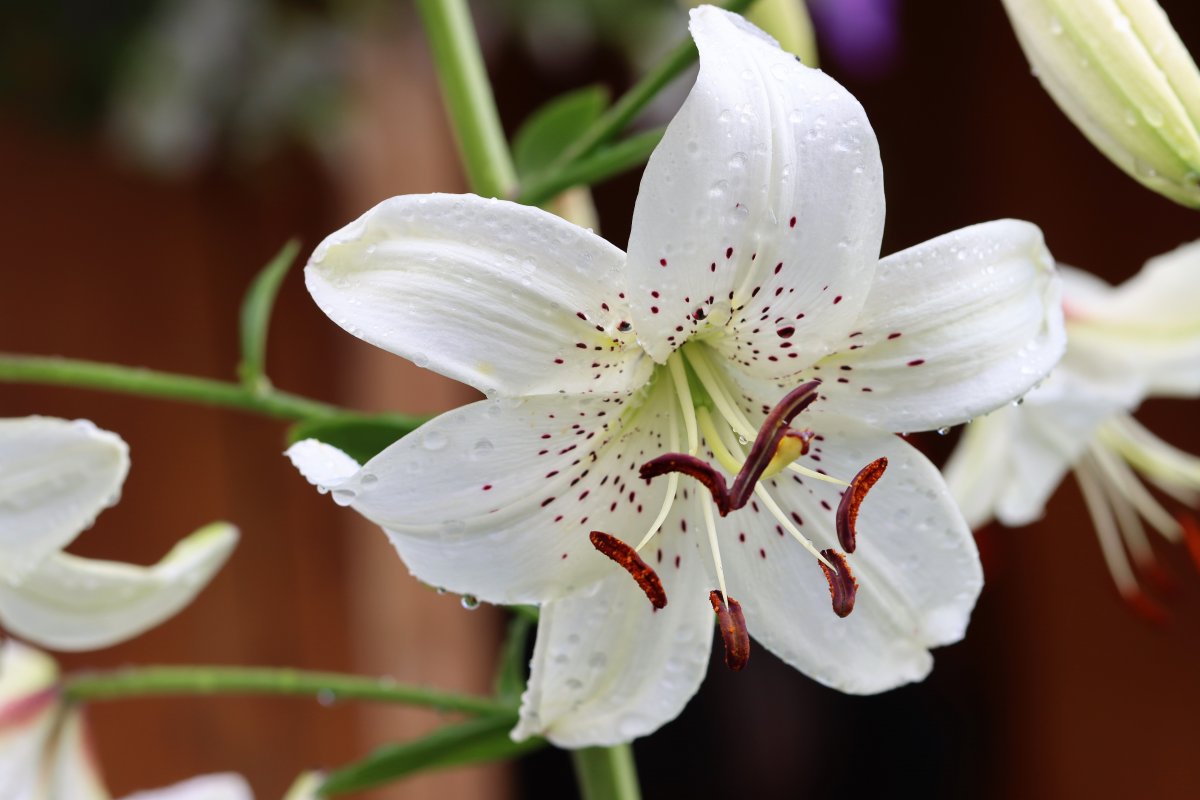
(469, 100)
(593, 168)
(54, 371)
(630, 104)
(326, 686)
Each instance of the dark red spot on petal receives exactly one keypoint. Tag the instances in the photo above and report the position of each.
(729, 252)
(792, 222)
(916, 362)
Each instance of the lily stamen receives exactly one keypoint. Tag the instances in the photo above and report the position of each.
(852, 498)
(628, 559)
(843, 588)
(732, 624)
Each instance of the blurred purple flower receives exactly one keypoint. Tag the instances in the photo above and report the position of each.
(861, 36)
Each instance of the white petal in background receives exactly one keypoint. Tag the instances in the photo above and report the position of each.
(506, 298)
(56, 475)
(761, 141)
(73, 603)
(1143, 335)
(954, 327)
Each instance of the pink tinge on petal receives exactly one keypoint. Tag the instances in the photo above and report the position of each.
(21, 711)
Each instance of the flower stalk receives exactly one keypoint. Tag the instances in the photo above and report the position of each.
(157, 681)
(54, 371)
(606, 773)
(469, 100)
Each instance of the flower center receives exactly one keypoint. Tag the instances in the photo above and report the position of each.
(775, 448)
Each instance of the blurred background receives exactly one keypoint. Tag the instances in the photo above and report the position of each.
(155, 154)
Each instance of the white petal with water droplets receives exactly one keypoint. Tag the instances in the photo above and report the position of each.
(72, 603)
(321, 464)
(56, 475)
(496, 499)
(606, 667)
(509, 299)
(916, 564)
(953, 328)
(761, 141)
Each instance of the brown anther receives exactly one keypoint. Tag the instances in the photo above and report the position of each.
(766, 445)
(852, 498)
(631, 562)
(1191, 536)
(842, 585)
(1144, 607)
(733, 630)
(697, 468)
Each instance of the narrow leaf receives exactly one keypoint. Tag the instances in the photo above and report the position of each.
(359, 438)
(474, 741)
(514, 659)
(548, 131)
(256, 315)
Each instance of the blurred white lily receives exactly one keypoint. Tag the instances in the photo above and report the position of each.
(1119, 71)
(45, 751)
(1140, 339)
(752, 270)
(55, 476)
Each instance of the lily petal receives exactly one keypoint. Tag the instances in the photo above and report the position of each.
(506, 298)
(56, 475)
(606, 667)
(515, 483)
(28, 711)
(768, 163)
(218, 786)
(74, 771)
(916, 564)
(1009, 462)
(1144, 333)
(72, 603)
(954, 327)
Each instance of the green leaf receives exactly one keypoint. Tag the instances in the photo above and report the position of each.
(359, 438)
(514, 661)
(480, 739)
(549, 130)
(256, 316)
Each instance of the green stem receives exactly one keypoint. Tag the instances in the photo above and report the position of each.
(468, 94)
(592, 168)
(630, 104)
(172, 386)
(606, 773)
(159, 681)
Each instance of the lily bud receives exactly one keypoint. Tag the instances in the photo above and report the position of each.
(1121, 74)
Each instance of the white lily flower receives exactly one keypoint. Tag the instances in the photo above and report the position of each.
(56, 476)
(45, 753)
(1118, 70)
(752, 269)
(1126, 343)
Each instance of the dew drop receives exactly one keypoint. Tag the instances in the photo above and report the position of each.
(434, 440)
(942, 431)
(470, 602)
